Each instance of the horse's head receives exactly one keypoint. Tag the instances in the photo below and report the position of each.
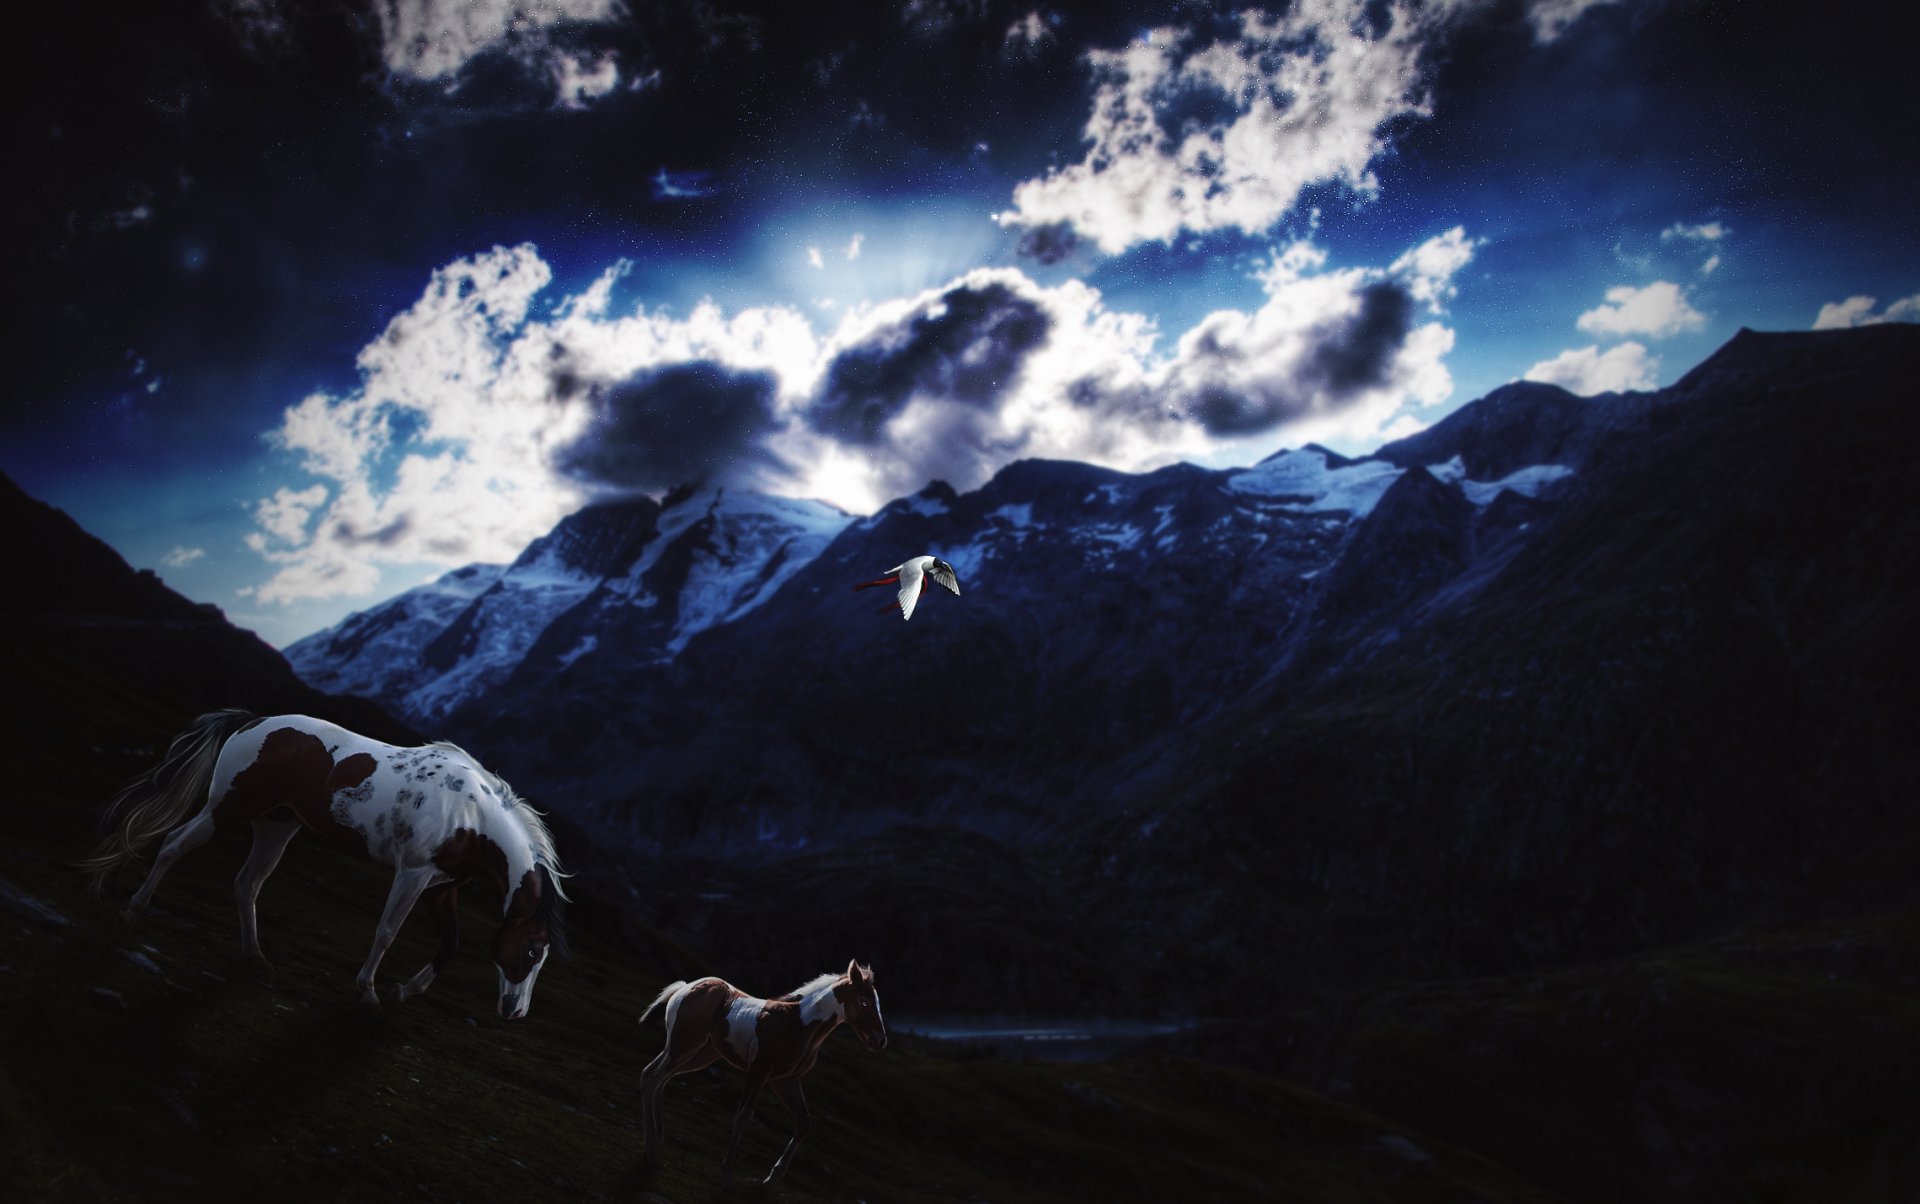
(527, 937)
(860, 1006)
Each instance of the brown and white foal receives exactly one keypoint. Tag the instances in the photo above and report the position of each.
(776, 1041)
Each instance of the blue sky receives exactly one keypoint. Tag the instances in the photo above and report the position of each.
(316, 304)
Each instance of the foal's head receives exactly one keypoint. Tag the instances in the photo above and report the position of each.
(531, 932)
(860, 1006)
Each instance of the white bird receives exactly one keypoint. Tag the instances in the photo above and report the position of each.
(913, 577)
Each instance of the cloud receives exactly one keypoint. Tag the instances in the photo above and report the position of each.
(1028, 36)
(1429, 268)
(1197, 136)
(966, 346)
(1658, 311)
(1857, 310)
(1586, 370)
(1551, 18)
(433, 39)
(680, 185)
(575, 82)
(1048, 243)
(180, 557)
(480, 419)
(853, 248)
(1704, 232)
(814, 258)
(665, 426)
(1710, 266)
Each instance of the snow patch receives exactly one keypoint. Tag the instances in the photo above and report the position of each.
(587, 644)
(1527, 481)
(1303, 478)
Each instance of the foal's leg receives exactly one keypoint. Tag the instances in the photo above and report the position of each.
(756, 1079)
(407, 886)
(270, 837)
(183, 839)
(796, 1102)
(653, 1084)
(443, 904)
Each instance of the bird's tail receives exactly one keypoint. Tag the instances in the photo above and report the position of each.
(880, 581)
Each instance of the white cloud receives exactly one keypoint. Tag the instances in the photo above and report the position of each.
(853, 248)
(464, 440)
(575, 81)
(1704, 232)
(1659, 310)
(434, 39)
(1586, 370)
(1292, 101)
(1857, 310)
(1028, 36)
(1710, 266)
(181, 556)
(1551, 18)
(1429, 268)
(814, 258)
(1403, 427)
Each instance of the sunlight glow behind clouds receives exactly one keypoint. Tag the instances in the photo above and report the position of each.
(477, 426)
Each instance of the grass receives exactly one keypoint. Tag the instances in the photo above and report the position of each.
(193, 1077)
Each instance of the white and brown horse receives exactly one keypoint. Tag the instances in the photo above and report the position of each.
(776, 1041)
(431, 813)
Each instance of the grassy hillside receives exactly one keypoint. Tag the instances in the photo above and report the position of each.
(160, 1067)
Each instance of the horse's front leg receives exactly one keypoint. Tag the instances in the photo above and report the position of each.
(270, 837)
(756, 1079)
(443, 904)
(796, 1102)
(407, 887)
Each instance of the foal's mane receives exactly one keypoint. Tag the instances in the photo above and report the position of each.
(810, 986)
(551, 910)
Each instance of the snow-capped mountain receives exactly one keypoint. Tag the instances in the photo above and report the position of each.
(1554, 678)
(659, 572)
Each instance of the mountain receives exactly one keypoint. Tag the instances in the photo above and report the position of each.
(1554, 679)
(646, 575)
(100, 664)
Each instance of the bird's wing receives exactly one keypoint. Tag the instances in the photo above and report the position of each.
(945, 579)
(912, 585)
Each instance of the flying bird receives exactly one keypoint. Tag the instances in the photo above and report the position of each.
(913, 577)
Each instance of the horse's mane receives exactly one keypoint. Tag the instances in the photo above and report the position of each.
(811, 985)
(551, 909)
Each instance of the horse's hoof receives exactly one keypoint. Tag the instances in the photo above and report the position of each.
(261, 966)
(125, 922)
(370, 1004)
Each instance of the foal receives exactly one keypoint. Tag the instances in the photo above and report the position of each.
(774, 1040)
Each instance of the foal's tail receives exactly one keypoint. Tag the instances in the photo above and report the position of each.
(666, 993)
(151, 805)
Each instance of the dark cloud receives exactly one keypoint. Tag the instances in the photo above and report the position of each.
(686, 422)
(1357, 354)
(1049, 243)
(384, 537)
(967, 347)
(1347, 356)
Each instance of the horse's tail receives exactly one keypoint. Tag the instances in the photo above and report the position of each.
(666, 993)
(151, 805)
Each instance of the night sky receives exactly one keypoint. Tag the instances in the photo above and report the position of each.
(316, 301)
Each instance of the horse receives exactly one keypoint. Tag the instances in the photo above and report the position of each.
(776, 1041)
(431, 812)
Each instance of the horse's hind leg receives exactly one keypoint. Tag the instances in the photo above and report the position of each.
(653, 1084)
(756, 1079)
(270, 838)
(182, 840)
